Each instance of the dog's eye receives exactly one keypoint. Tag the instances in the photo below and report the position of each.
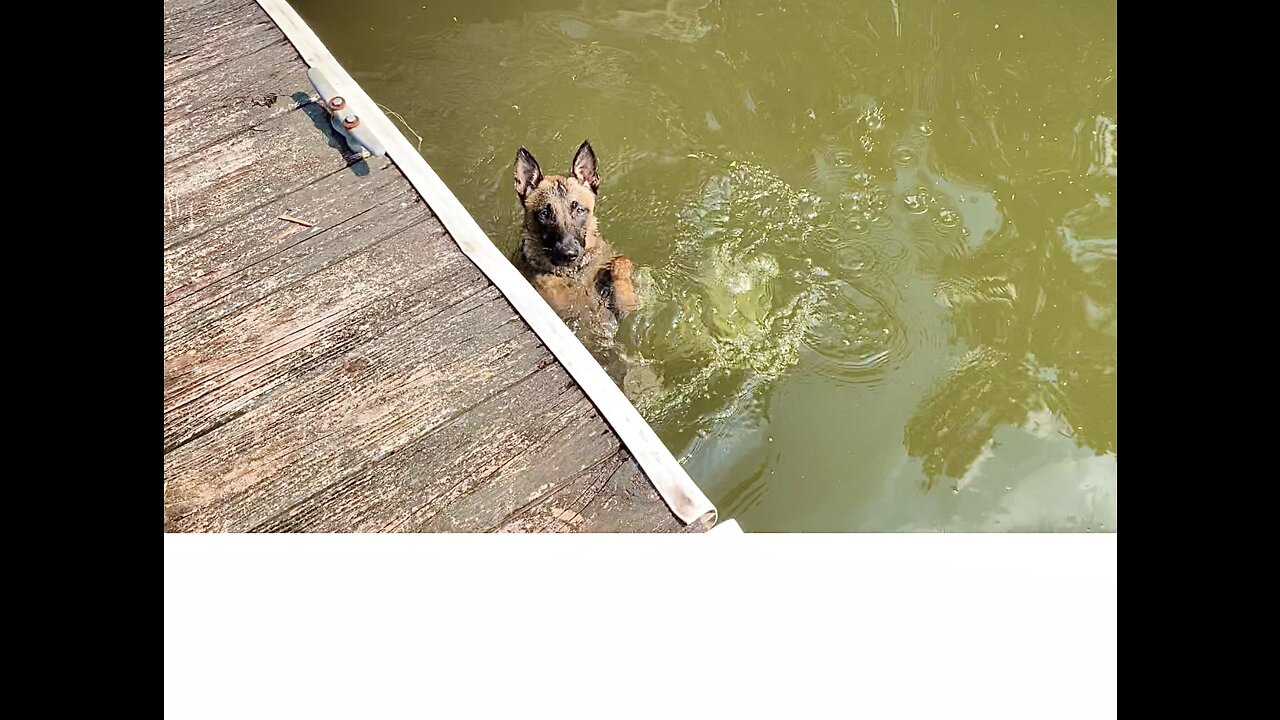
(576, 209)
(544, 214)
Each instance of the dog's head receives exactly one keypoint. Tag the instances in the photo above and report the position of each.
(559, 211)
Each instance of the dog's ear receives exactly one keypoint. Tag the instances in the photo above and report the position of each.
(527, 173)
(584, 166)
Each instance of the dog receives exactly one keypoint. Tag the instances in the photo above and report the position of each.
(561, 251)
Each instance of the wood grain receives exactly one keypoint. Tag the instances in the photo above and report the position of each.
(232, 97)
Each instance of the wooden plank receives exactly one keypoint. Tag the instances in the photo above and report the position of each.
(366, 406)
(561, 510)
(178, 9)
(577, 445)
(407, 491)
(226, 368)
(205, 37)
(259, 233)
(187, 21)
(206, 188)
(232, 97)
(289, 254)
(628, 502)
(530, 459)
(620, 500)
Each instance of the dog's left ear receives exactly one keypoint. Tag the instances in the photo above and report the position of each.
(584, 166)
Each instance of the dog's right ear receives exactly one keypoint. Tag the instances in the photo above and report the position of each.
(527, 173)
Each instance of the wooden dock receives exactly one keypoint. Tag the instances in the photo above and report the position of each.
(332, 361)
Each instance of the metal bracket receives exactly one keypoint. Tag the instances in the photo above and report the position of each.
(344, 117)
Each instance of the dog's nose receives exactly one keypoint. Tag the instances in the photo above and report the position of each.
(568, 248)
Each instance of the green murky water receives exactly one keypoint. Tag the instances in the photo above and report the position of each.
(877, 239)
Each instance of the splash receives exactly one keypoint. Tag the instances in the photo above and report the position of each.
(747, 295)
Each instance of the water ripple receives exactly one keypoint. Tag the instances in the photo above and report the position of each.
(855, 337)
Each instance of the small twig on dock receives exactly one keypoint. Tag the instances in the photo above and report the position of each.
(293, 219)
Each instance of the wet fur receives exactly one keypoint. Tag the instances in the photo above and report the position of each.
(559, 218)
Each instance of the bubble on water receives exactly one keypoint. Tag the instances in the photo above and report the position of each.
(947, 218)
(918, 202)
(863, 205)
(903, 155)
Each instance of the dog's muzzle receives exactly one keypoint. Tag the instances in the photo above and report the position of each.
(567, 250)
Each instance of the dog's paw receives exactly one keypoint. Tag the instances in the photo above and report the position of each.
(622, 267)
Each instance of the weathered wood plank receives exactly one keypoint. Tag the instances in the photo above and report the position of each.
(205, 37)
(619, 500)
(560, 510)
(205, 188)
(178, 9)
(359, 410)
(224, 369)
(576, 444)
(187, 21)
(272, 265)
(493, 467)
(629, 503)
(405, 491)
(231, 97)
(260, 233)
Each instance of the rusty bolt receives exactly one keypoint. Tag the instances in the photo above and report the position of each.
(337, 102)
(350, 121)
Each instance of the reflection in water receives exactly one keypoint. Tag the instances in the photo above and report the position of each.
(876, 242)
(1051, 350)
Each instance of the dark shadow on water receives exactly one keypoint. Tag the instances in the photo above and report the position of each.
(321, 120)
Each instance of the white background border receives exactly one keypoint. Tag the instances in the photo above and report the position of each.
(785, 626)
